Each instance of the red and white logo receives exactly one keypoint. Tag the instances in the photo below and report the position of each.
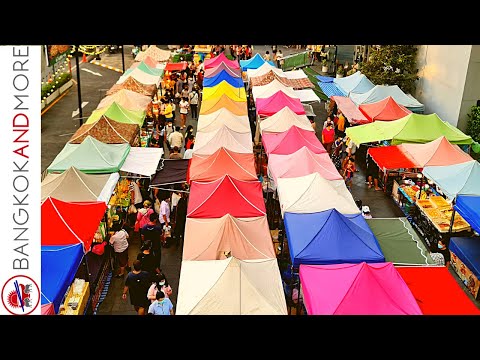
(20, 295)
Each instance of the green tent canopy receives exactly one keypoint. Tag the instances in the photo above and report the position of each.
(149, 70)
(118, 113)
(91, 157)
(399, 242)
(413, 128)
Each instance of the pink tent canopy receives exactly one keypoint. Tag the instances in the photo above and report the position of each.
(211, 72)
(386, 110)
(356, 289)
(288, 142)
(226, 196)
(211, 63)
(350, 110)
(148, 61)
(276, 102)
(216, 239)
(302, 162)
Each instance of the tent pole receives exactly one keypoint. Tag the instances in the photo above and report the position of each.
(452, 219)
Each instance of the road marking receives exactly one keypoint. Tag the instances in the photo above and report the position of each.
(54, 102)
(92, 72)
(76, 112)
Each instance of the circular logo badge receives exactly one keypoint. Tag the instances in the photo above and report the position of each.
(20, 295)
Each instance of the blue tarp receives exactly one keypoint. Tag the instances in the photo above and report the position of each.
(354, 83)
(467, 250)
(254, 63)
(325, 79)
(329, 237)
(469, 208)
(222, 76)
(331, 89)
(59, 265)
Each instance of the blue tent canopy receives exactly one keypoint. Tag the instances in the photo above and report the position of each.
(356, 83)
(329, 237)
(325, 79)
(254, 63)
(467, 250)
(221, 76)
(59, 265)
(469, 208)
(331, 89)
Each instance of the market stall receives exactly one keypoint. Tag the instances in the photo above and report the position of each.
(224, 88)
(223, 117)
(148, 69)
(223, 75)
(307, 96)
(351, 112)
(151, 62)
(127, 99)
(142, 162)
(436, 291)
(179, 66)
(223, 67)
(118, 113)
(230, 287)
(465, 261)
(266, 91)
(206, 143)
(384, 110)
(205, 168)
(356, 289)
(330, 89)
(214, 104)
(155, 53)
(171, 172)
(288, 142)
(74, 185)
(283, 120)
(328, 237)
(263, 69)
(131, 84)
(217, 60)
(270, 76)
(220, 238)
(468, 206)
(254, 63)
(357, 83)
(276, 102)
(141, 76)
(207, 199)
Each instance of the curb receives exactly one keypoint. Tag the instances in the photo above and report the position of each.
(96, 62)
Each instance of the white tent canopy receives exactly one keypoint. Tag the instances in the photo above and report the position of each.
(262, 70)
(380, 92)
(284, 120)
(307, 95)
(223, 117)
(141, 77)
(208, 143)
(295, 74)
(312, 193)
(231, 287)
(265, 91)
(142, 161)
(128, 99)
(155, 53)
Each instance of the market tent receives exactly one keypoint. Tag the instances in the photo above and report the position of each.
(224, 88)
(69, 223)
(150, 70)
(329, 237)
(127, 99)
(380, 92)
(118, 113)
(283, 120)
(254, 63)
(436, 291)
(171, 172)
(265, 91)
(140, 76)
(180, 66)
(155, 53)
(467, 250)
(458, 179)
(207, 199)
(356, 289)
(391, 157)
(288, 142)
(134, 85)
(276, 102)
(222, 67)
(217, 60)
(307, 95)
(230, 287)
(204, 168)
(300, 163)
(74, 185)
(350, 110)
(399, 242)
(142, 161)
(413, 128)
(325, 79)
(295, 74)
(356, 83)
(308, 110)
(91, 156)
(147, 60)
(263, 69)
(312, 193)
(469, 208)
(203, 49)
(330, 89)
(208, 143)
(217, 239)
(214, 104)
(108, 132)
(273, 75)
(59, 266)
(385, 110)
(223, 75)
(223, 117)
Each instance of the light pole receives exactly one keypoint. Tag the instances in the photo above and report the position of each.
(123, 59)
(78, 87)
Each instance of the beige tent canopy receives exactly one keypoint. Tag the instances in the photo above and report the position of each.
(128, 99)
(208, 143)
(231, 287)
(141, 77)
(215, 239)
(223, 117)
(265, 91)
(284, 120)
(155, 53)
(74, 186)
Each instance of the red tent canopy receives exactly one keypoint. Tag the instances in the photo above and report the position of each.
(276, 102)
(182, 65)
(226, 196)
(217, 60)
(289, 141)
(222, 162)
(436, 291)
(350, 110)
(67, 223)
(390, 157)
(386, 110)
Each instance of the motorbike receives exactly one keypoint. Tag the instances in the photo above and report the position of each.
(135, 51)
(113, 49)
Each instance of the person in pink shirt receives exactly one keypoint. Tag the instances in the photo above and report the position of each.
(159, 283)
(143, 215)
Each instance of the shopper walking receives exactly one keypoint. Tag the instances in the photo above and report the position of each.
(193, 98)
(119, 241)
(161, 306)
(137, 284)
(184, 107)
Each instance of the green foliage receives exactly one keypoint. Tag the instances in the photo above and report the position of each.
(340, 70)
(55, 84)
(473, 124)
(393, 65)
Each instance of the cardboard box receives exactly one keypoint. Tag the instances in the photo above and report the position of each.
(465, 274)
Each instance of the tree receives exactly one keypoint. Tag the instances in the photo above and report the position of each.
(393, 65)
(473, 129)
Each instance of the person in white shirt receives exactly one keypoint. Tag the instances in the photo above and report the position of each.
(119, 240)
(184, 106)
(176, 138)
(165, 210)
(135, 194)
(193, 98)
